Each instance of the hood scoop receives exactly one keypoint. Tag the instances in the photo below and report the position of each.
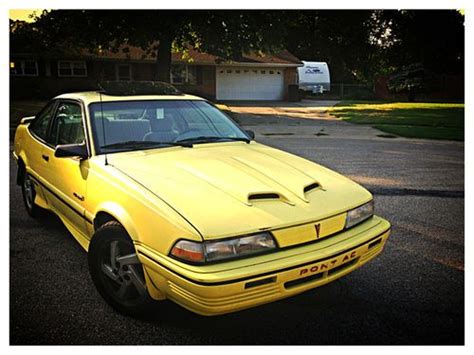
(267, 196)
(264, 196)
(311, 187)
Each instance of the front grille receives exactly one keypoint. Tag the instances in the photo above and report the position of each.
(261, 282)
(321, 275)
(375, 243)
(304, 280)
(268, 290)
(342, 267)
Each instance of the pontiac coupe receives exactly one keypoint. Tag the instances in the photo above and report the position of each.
(171, 199)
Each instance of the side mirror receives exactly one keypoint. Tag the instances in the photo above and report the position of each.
(26, 120)
(251, 134)
(71, 150)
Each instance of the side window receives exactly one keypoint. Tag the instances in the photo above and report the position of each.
(67, 126)
(40, 124)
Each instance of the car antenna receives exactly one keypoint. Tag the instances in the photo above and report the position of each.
(103, 124)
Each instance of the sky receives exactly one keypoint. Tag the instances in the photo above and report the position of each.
(22, 14)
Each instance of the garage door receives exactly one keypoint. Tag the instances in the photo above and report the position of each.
(249, 83)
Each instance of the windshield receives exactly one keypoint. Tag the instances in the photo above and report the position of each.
(137, 125)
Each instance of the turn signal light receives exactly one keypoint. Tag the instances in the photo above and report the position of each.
(187, 250)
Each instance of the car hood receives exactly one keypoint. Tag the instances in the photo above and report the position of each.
(229, 189)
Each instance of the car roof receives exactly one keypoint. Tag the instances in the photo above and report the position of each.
(95, 96)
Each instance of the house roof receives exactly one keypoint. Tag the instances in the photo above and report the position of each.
(284, 58)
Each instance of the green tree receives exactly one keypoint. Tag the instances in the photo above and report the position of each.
(340, 37)
(434, 38)
(24, 35)
(224, 33)
(359, 44)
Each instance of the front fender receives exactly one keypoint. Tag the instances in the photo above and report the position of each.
(121, 215)
(148, 219)
(18, 148)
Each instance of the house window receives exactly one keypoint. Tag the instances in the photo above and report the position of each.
(192, 74)
(178, 74)
(72, 68)
(183, 74)
(24, 68)
(123, 72)
(107, 71)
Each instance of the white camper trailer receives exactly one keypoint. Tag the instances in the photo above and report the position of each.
(314, 77)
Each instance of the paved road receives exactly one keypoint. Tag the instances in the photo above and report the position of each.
(412, 294)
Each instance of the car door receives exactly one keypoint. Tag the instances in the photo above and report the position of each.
(35, 145)
(67, 177)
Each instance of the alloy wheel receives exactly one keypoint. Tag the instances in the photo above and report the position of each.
(122, 269)
(29, 190)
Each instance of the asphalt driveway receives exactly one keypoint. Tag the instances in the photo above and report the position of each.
(412, 294)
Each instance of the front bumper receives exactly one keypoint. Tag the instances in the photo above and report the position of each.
(232, 286)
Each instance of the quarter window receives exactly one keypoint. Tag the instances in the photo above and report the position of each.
(40, 124)
(72, 68)
(67, 127)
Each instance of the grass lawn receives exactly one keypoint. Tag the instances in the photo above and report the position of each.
(406, 119)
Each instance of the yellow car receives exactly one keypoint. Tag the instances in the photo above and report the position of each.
(173, 200)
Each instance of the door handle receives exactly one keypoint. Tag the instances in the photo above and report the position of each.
(45, 157)
(79, 197)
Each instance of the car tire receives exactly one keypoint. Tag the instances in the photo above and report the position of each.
(29, 194)
(116, 271)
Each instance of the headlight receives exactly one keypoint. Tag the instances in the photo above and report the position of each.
(359, 214)
(232, 248)
(223, 249)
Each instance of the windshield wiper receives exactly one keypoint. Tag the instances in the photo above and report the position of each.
(147, 144)
(211, 139)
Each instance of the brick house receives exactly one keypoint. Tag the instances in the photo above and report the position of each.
(253, 77)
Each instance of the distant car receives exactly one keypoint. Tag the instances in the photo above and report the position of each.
(173, 200)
